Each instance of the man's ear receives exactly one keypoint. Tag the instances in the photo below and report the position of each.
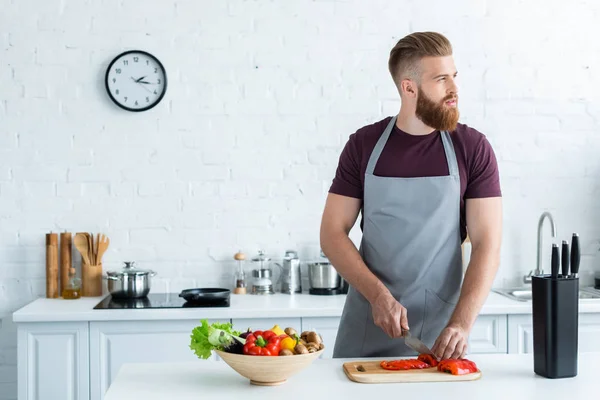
(408, 88)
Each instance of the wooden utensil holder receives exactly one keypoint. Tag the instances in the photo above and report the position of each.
(91, 280)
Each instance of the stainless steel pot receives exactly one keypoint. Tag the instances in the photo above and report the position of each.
(130, 282)
(322, 274)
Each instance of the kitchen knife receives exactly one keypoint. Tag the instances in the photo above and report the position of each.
(416, 344)
(575, 255)
(565, 259)
(555, 261)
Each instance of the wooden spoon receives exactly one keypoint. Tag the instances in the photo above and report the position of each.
(103, 243)
(81, 244)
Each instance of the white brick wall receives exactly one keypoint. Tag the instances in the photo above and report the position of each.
(262, 96)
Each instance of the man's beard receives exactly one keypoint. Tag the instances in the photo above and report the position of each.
(437, 115)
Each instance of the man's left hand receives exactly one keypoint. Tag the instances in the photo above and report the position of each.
(452, 343)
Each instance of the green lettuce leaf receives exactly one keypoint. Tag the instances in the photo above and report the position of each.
(216, 336)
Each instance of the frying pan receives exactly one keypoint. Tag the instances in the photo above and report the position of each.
(205, 294)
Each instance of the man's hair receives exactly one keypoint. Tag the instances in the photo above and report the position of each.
(406, 54)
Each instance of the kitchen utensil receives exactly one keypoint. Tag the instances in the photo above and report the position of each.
(555, 261)
(565, 259)
(200, 295)
(52, 265)
(240, 274)
(371, 372)
(575, 255)
(415, 344)
(555, 319)
(290, 277)
(103, 242)
(82, 245)
(268, 371)
(322, 274)
(262, 274)
(130, 282)
(323, 278)
(66, 263)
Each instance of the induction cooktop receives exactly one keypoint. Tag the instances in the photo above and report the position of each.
(157, 300)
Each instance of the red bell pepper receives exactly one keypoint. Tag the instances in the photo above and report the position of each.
(457, 367)
(261, 343)
(404, 364)
(429, 359)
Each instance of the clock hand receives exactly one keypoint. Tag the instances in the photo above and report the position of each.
(148, 90)
(140, 78)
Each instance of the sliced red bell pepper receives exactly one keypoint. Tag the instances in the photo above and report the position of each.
(404, 364)
(429, 359)
(261, 343)
(457, 367)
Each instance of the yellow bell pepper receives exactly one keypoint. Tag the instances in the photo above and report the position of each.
(278, 331)
(287, 343)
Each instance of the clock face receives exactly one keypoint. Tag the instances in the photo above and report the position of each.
(136, 80)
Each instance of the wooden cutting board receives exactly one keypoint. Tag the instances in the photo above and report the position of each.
(371, 372)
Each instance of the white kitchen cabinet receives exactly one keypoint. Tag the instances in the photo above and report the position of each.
(53, 361)
(520, 333)
(117, 342)
(327, 327)
(263, 324)
(489, 335)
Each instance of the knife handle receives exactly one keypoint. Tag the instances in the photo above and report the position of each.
(565, 259)
(575, 255)
(555, 261)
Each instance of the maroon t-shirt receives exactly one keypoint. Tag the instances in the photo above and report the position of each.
(411, 156)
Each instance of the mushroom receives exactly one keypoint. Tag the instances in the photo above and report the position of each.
(291, 332)
(304, 335)
(300, 349)
(313, 337)
(286, 352)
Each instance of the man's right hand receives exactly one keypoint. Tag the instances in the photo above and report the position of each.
(389, 315)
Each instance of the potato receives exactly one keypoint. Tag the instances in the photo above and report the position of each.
(286, 352)
(300, 349)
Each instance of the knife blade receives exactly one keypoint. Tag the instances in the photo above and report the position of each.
(575, 255)
(415, 344)
(565, 259)
(555, 261)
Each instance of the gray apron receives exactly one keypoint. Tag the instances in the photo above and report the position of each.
(411, 242)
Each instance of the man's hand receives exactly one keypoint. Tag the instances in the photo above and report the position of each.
(452, 343)
(389, 315)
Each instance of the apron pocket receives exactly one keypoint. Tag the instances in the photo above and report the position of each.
(437, 315)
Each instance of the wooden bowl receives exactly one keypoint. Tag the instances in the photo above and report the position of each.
(265, 370)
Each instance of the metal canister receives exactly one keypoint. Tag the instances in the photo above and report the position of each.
(290, 273)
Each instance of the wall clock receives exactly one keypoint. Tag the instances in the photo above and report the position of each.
(136, 80)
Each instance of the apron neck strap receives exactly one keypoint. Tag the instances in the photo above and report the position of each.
(446, 140)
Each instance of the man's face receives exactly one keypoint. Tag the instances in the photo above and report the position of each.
(437, 96)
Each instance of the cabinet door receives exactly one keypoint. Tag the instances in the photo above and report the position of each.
(489, 335)
(327, 327)
(241, 324)
(53, 361)
(520, 333)
(114, 343)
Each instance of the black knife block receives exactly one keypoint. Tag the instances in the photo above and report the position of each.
(555, 326)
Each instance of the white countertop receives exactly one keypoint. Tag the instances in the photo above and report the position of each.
(504, 376)
(242, 306)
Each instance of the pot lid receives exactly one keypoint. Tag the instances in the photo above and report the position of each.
(129, 269)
